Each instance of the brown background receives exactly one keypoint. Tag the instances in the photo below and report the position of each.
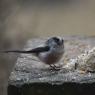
(21, 20)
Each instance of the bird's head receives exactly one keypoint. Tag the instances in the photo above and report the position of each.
(55, 42)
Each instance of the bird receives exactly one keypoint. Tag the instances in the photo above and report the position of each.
(50, 53)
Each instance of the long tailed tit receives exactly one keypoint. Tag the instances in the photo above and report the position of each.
(50, 53)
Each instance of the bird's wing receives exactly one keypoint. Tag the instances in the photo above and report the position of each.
(40, 49)
(35, 50)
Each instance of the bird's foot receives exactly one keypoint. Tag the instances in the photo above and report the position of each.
(54, 67)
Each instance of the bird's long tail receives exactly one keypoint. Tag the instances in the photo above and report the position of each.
(19, 51)
(35, 50)
(16, 51)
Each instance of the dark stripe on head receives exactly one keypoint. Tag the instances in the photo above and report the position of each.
(56, 39)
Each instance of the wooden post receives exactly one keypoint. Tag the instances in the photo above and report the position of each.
(31, 77)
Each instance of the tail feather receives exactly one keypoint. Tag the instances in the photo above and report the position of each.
(15, 51)
(35, 50)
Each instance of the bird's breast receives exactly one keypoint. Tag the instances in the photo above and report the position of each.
(50, 58)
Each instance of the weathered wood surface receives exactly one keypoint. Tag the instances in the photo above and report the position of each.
(32, 77)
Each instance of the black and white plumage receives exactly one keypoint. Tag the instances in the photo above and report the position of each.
(50, 53)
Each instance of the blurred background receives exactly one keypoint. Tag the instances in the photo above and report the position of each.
(21, 20)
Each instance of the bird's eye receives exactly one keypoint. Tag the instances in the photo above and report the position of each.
(56, 39)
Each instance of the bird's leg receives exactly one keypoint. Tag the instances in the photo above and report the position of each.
(54, 67)
(57, 67)
(51, 65)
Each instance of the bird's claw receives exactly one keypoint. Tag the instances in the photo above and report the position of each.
(54, 67)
